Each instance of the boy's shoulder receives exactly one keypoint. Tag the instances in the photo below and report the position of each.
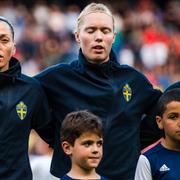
(173, 86)
(153, 150)
(164, 163)
(159, 154)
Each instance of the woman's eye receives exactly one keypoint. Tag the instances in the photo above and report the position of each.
(4, 40)
(106, 31)
(90, 31)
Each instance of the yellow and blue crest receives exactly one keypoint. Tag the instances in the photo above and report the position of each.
(127, 92)
(21, 110)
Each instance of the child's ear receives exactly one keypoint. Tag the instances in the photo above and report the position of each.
(67, 148)
(159, 122)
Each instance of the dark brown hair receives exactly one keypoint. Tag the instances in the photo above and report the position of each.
(167, 97)
(78, 122)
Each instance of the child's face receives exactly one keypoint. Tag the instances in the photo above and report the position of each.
(170, 122)
(87, 151)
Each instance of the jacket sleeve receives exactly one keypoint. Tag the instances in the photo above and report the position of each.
(149, 131)
(173, 86)
(42, 120)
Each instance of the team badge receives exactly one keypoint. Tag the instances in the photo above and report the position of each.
(127, 92)
(21, 110)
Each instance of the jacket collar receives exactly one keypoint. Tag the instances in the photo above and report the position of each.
(13, 72)
(111, 62)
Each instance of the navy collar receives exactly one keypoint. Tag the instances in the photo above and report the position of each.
(13, 72)
(111, 62)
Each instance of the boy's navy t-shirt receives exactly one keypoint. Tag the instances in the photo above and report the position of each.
(66, 177)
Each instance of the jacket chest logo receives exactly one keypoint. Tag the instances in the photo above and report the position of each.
(127, 92)
(21, 110)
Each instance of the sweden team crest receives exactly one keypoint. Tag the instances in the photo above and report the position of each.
(127, 92)
(21, 110)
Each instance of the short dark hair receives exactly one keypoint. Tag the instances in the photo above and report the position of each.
(78, 122)
(167, 97)
(10, 25)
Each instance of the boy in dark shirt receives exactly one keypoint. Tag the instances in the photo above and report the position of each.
(81, 140)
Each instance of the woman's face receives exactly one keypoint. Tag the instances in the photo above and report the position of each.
(96, 36)
(7, 46)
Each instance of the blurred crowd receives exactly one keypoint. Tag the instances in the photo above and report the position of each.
(148, 37)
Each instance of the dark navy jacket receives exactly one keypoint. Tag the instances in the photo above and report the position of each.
(175, 85)
(23, 106)
(118, 94)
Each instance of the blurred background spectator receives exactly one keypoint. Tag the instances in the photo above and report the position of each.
(148, 36)
(40, 158)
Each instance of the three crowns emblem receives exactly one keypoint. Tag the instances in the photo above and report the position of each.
(127, 92)
(21, 110)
